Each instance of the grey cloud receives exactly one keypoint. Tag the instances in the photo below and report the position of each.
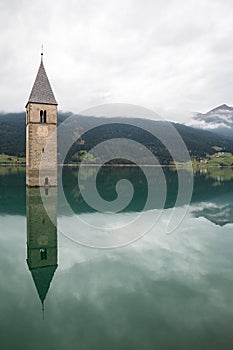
(172, 56)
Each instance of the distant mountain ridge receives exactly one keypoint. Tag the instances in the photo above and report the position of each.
(218, 120)
(199, 142)
(13, 132)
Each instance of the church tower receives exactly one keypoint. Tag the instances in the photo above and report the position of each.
(41, 128)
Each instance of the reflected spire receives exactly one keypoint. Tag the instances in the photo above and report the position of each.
(43, 311)
(42, 239)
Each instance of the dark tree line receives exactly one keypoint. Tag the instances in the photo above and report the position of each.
(198, 142)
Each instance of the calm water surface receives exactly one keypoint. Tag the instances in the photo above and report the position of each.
(161, 292)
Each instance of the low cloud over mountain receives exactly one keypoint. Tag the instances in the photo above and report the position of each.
(218, 120)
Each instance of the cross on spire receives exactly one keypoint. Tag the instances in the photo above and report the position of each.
(41, 90)
(42, 52)
(43, 311)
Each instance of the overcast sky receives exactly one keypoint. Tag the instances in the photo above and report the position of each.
(174, 57)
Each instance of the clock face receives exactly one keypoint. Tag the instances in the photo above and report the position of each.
(42, 131)
(43, 240)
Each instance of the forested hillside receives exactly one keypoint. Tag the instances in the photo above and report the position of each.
(198, 142)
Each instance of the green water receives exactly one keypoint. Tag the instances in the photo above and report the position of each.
(161, 292)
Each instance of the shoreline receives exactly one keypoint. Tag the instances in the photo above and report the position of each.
(127, 165)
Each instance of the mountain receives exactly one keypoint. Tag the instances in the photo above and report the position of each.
(13, 133)
(218, 120)
(218, 210)
(199, 142)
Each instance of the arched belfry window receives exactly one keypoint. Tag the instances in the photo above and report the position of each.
(43, 116)
(43, 254)
(46, 181)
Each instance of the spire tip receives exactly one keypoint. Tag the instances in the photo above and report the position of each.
(43, 311)
(42, 52)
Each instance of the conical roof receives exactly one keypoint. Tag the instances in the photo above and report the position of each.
(42, 91)
(42, 277)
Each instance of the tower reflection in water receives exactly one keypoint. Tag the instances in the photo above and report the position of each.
(42, 239)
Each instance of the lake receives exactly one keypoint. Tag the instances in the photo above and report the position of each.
(162, 291)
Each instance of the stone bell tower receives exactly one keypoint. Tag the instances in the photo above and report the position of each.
(41, 133)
